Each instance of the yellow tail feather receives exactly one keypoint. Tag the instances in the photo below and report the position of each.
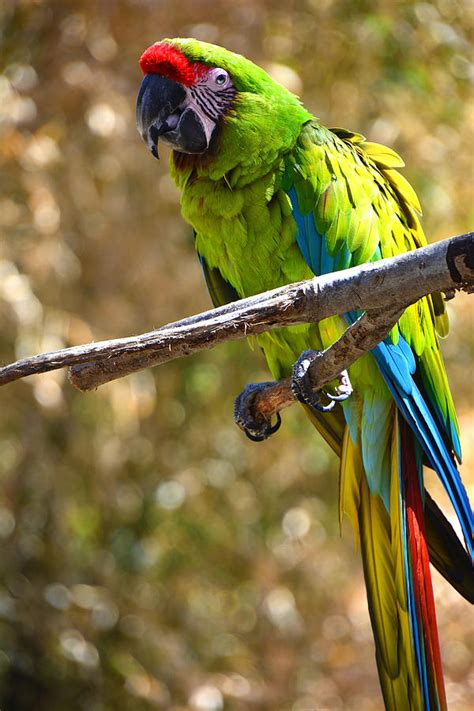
(350, 474)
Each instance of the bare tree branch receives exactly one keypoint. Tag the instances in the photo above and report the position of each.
(389, 284)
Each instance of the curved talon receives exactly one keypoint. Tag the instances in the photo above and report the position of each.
(275, 427)
(316, 404)
(256, 427)
(340, 397)
(337, 398)
(266, 431)
(326, 408)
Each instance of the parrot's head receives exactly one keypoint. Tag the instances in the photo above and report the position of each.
(193, 91)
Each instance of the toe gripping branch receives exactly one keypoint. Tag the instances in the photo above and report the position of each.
(257, 408)
(302, 383)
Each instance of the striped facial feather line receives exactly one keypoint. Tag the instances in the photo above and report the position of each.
(212, 103)
(206, 101)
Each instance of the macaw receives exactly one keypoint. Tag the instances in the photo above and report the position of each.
(274, 197)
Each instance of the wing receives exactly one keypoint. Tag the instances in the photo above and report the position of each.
(351, 206)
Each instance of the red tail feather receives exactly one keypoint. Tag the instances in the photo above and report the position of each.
(422, 586)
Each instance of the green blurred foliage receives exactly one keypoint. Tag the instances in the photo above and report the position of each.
(152, 557)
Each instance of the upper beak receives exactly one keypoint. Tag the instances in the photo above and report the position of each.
(162, 110)
(158, 105)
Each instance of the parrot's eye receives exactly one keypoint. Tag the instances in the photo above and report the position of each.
(219, 78)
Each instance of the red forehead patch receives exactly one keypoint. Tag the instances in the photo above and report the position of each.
(168, 61)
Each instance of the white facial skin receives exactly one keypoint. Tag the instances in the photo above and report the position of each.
(209, 85)
(208, 98)
(218, 79)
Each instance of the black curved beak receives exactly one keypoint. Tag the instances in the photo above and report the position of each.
(162, 113)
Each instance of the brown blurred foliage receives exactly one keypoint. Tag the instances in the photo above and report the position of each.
(152, 557)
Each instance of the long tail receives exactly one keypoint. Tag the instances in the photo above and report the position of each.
(397, 575)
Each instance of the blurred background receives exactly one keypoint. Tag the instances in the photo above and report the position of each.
(152, 556)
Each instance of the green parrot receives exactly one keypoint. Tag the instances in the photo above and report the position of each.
(274, 197)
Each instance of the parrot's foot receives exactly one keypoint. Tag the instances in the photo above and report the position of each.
(256, 427)
(303, 389)
(344, 389)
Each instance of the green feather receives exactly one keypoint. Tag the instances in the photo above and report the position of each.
(403, 188)
(381, 155)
